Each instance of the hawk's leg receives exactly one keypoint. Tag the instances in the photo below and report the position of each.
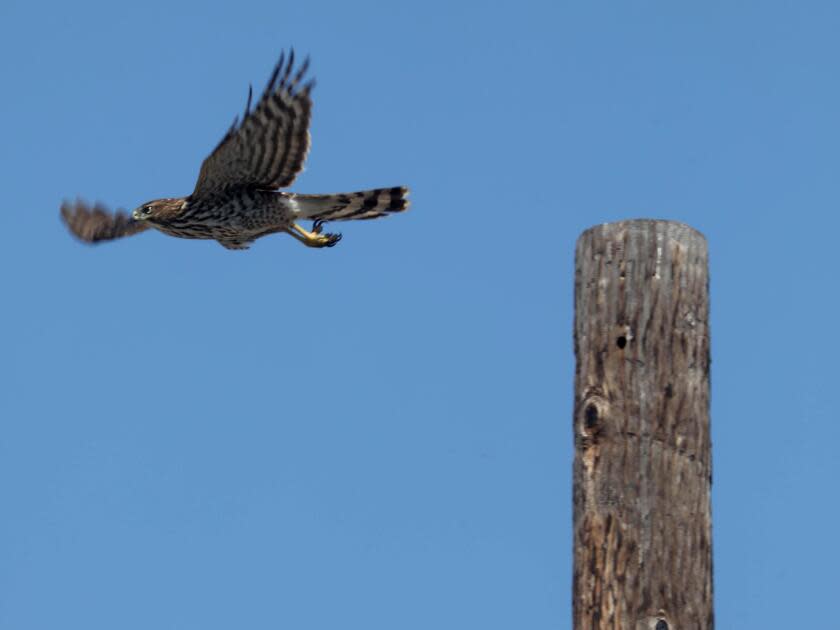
(314, 238)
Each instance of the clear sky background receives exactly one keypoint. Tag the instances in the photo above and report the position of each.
(379, 435)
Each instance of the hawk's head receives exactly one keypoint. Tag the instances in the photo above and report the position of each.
(158, 211)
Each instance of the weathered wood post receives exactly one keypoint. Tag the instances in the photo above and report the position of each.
(642, 471)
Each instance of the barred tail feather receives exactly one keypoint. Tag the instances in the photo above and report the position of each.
(366, 204)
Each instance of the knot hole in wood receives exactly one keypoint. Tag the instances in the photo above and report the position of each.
(657, 622)
(622, 336)
(592, 416)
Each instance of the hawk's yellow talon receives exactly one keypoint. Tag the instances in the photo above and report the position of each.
(313, 239)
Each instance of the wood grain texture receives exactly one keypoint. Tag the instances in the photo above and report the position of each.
(642, 470)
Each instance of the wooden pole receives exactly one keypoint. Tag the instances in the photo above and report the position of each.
(642, 471)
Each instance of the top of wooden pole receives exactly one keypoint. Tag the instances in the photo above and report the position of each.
(644, 224)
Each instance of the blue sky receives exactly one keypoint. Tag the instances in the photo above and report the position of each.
(379, 435)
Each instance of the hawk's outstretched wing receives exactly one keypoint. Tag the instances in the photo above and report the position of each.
(97, 224)
(267, 149)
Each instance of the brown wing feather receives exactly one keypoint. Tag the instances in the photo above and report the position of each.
(268, 149)
(92, 225)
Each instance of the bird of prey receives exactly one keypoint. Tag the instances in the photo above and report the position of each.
(235, 200)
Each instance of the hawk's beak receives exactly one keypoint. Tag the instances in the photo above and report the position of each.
(135, 215)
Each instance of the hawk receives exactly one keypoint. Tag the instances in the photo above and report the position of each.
(235, 200)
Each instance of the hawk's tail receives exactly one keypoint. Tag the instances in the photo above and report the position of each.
(367, 204)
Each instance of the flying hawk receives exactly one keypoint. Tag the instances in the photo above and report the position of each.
(235, 200)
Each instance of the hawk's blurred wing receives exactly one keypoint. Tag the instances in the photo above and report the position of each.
(268, 148)
(92, 225)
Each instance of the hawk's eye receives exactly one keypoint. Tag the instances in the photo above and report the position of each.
(147, 210)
